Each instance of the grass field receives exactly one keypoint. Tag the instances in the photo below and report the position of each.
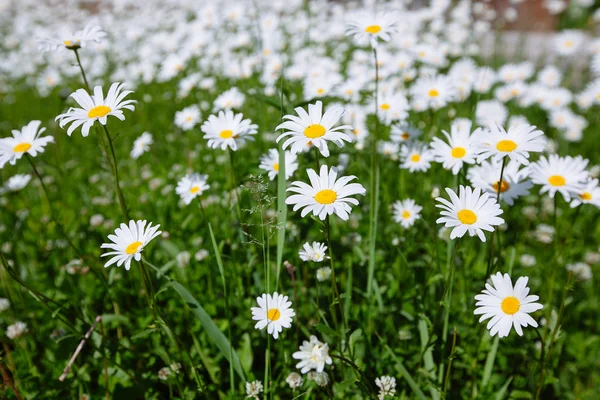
(391, 300)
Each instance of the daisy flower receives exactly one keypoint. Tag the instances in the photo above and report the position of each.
(515, 182)
(141, 145)
(25, 141)
(565, 175)
(460, 148)
(370, 29)
(73, 41)
(191, 186)
(317, 252)
(507, 306)
(15, 183)
(228, 130)
(128, 242)
(16, 330)
(568, 42)
(187, 118)
(96, 108)
(588, 194)
(516, 143)
(406, 212)
(435, 91)
(254, 389)
(314, 128)
(273, 312)
(313, 354)
(403, 132)
(229, 99)
(469, 211)
(270, 163)
(326, 194)
(415, 156)
(392, 107)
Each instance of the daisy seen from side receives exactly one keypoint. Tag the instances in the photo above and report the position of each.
(24, 141)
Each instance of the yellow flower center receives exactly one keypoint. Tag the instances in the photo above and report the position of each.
(385, 106)
(458, 152)
(510, 305)
(405, 136)
(433, 93)
(467, 217)
(314, 131)
(133, 247)
(273, 314)
(326, 196)
(373, 29)
(406, 214)
(568, 44)
(587, 196)
(98, 111)
(21, 147)
(226, 134)
(195, 189)
(68, 43)
(503, 186)
(557, 180)
(188, 119)
(320, 91)
(415, 158)
(506, 146)
(276, 167)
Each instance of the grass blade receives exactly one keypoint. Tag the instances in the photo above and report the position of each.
(489, 363)
(214, 333)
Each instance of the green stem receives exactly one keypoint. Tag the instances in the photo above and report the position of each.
(498, 190)
(334, 281)
(115, 169)
(82, 71)
(373, 193)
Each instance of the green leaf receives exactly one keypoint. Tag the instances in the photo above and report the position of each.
(324, 329)
(502, 392)
(489, 363)
(210, 327)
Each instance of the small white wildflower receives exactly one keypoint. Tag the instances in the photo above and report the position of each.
(295, 380)
(4, 304)
(96, 220)
(15, 330)
(581, 270)
(253, 389)
(323, 274)
(386, 385)
(164, 373)
(183, 259)
(201, 254)
(527, 260)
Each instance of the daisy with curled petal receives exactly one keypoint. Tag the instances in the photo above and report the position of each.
(273, 312)
(370, 29)
(228, 130)
(313, 354)
(588, 194)
(314, 128)
(128, 242)
(516, 143)
(270, 163)
(315, 252)
(90, 33)
(459, 150)
(515, 182)
(415, 156)
(507, 306)
(191, 186)
(25, 141)
(406, 212)
(565, 175)
(326, 194)
(96, 108)
(470, 211)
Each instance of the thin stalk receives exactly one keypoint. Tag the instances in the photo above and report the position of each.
(450, 358)
(373, 192)
(82, 71)
(498, 190)
(334, 280)
(115, 169)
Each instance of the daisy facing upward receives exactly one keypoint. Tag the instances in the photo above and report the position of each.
(96, 108)
(228, 130)
(25, 141)
(128, 242)
(469, 211)
(326, 194)
(273, 312)
(313, 128)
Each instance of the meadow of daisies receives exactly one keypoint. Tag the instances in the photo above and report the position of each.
(288, 199)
